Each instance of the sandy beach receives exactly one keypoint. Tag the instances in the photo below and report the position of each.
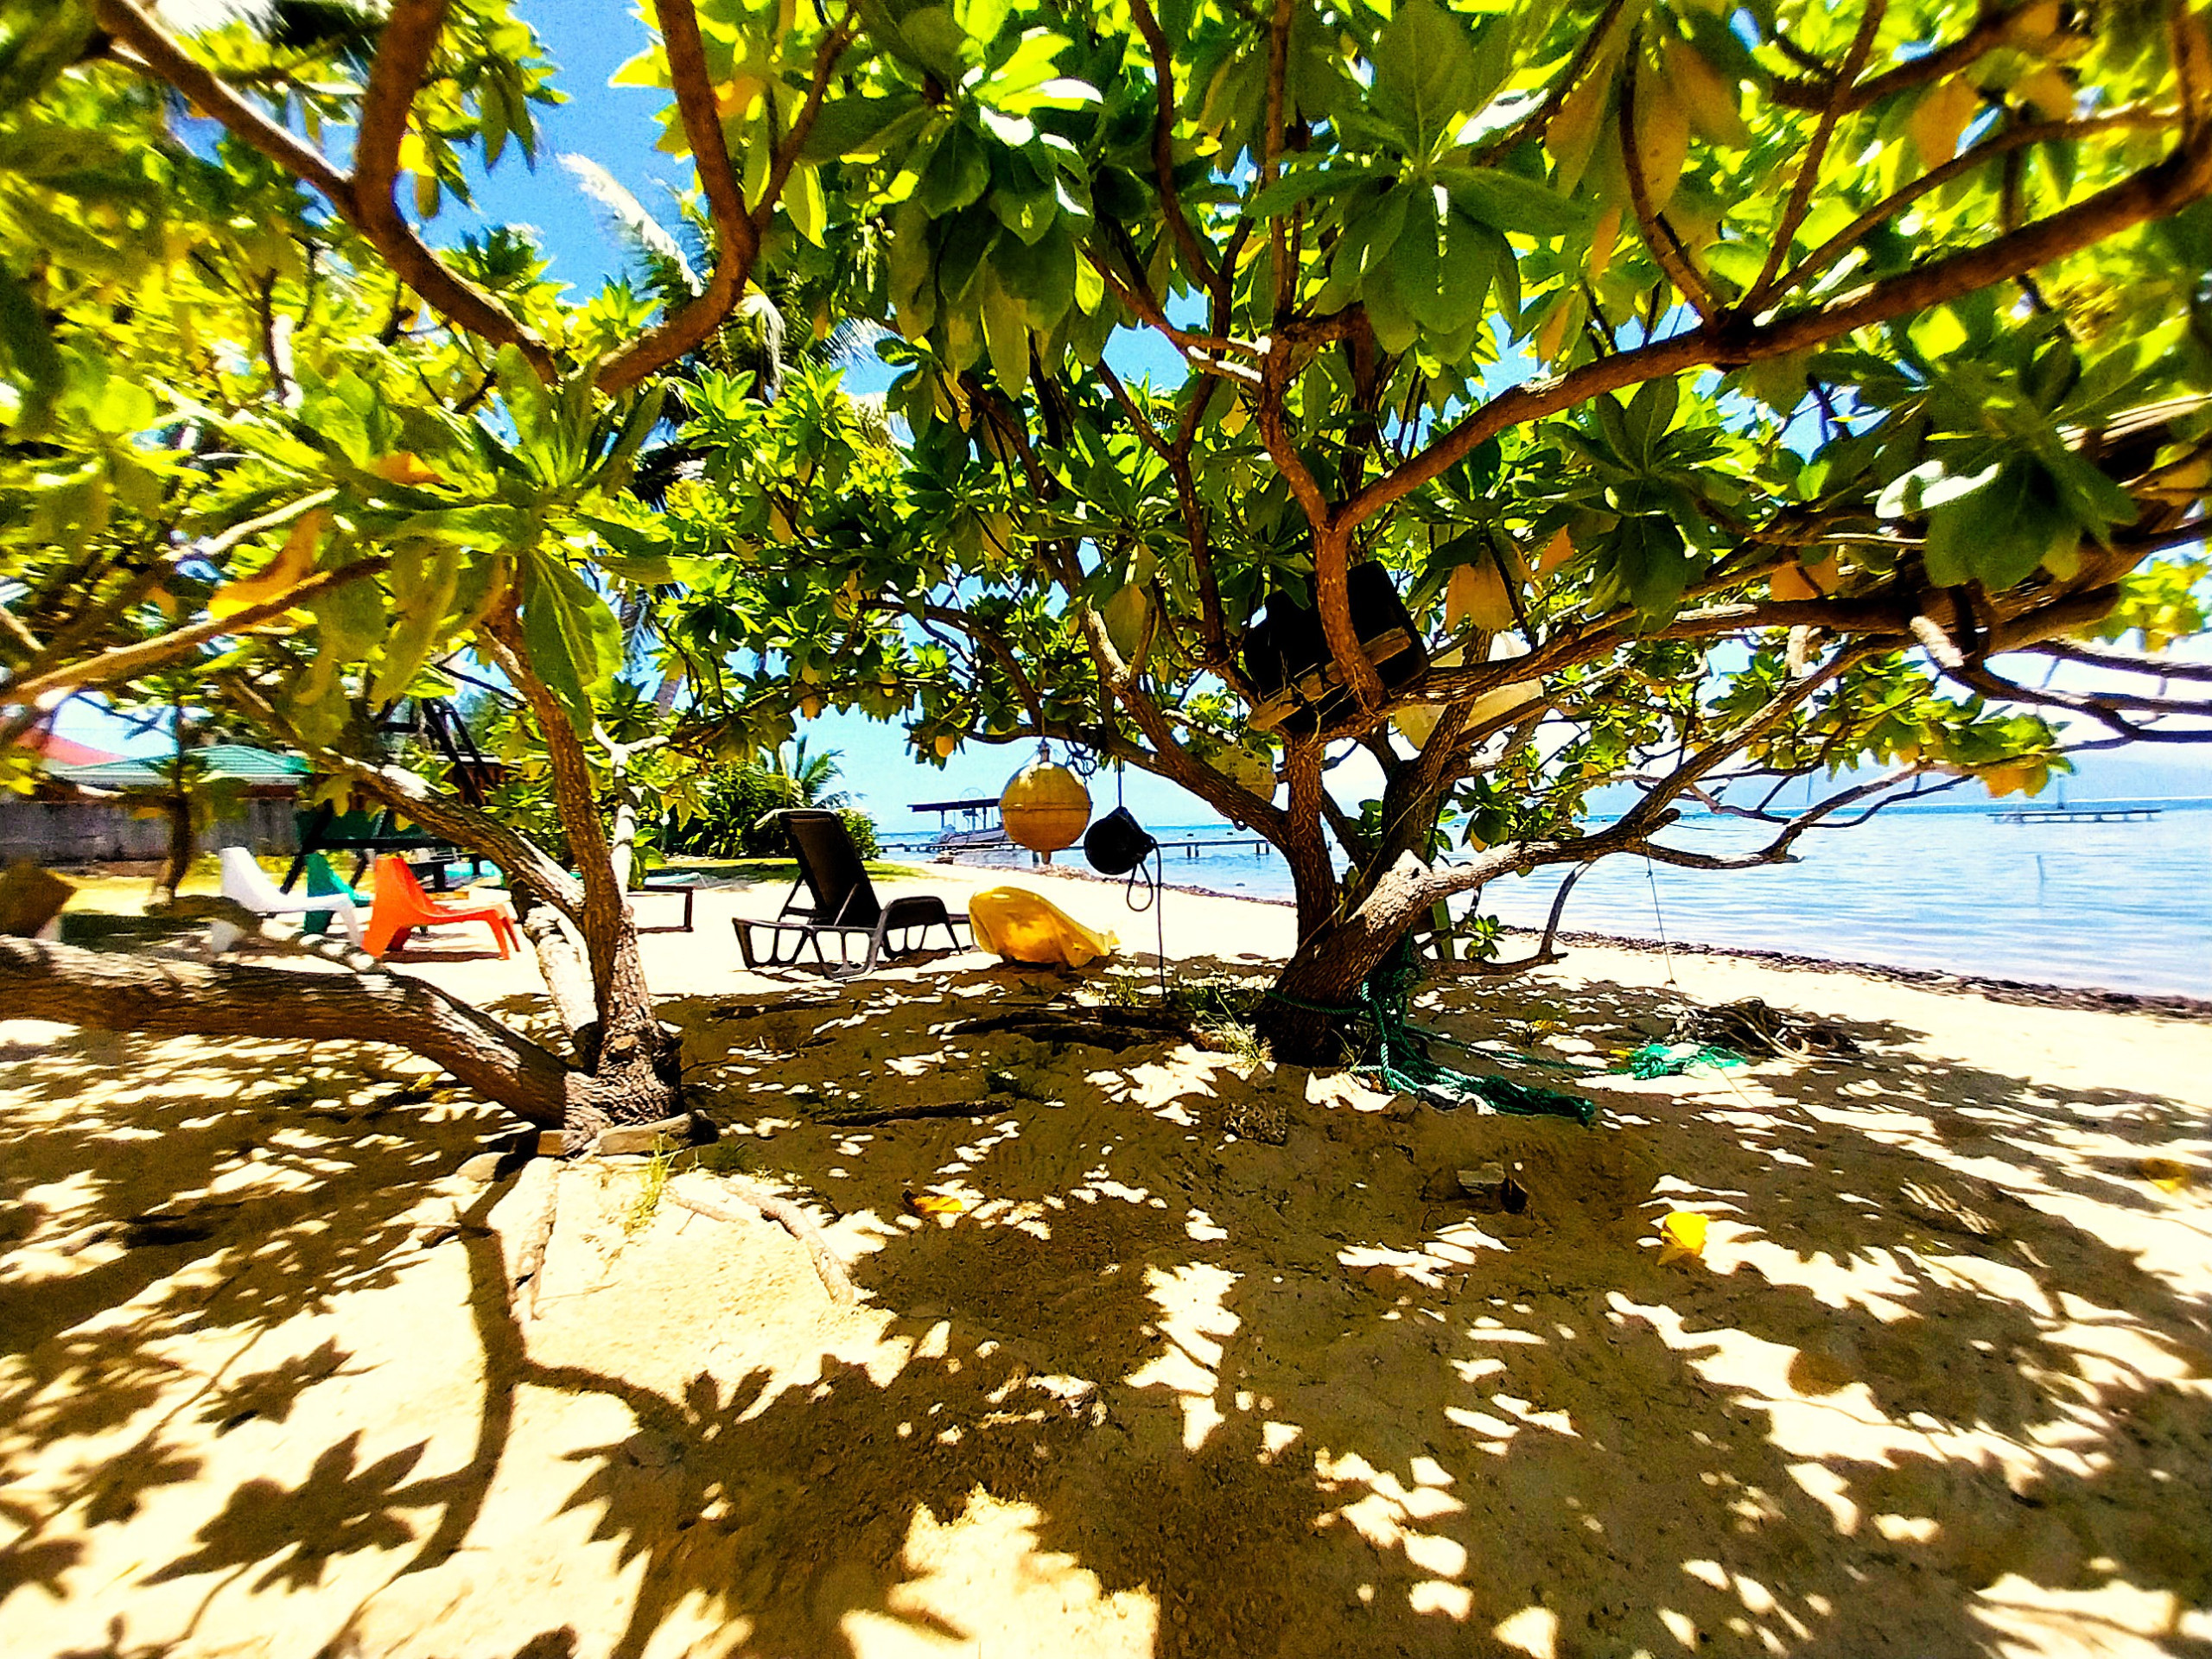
(1209, 1360)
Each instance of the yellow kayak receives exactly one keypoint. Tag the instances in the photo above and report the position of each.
(1024, 926)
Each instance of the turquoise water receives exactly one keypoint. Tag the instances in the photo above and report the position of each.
(2117, 907)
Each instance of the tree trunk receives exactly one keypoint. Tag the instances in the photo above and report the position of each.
(1303, 1018)
(628, 1041)
(116, 991)
(176, 808)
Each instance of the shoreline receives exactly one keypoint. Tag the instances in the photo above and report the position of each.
(2026, 993)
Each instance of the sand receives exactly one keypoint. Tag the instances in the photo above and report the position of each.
(1938, 1383)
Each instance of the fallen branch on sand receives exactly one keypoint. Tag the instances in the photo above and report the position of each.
(793, 1220)
(1113, 1028)
(908, 1114)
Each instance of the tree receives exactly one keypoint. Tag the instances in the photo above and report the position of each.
(261, 434)
(1730, 397)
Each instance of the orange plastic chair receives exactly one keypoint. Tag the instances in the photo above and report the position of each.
(400, 906)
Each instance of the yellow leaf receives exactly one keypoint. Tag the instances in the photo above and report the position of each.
(1477, 593)
(294, 564)
(1712, 99)
(1607, 232)
(2167, 1174)
(932, 1204)
(1557, 551)
(1941, 116)
(737, 97)
(2035, 23)
(2048, 93)
(1663, 139)
(1551, 338)
(406, 468)
(1682, 1233)
(1572, 131)
(1790, 582)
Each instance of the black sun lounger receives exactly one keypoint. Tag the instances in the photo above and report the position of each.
(840, 903)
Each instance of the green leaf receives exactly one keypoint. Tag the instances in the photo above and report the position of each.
(1425, 70)
(1652, 564)
(29, 348)
(1006, 336)
(958, 173)
(351, 618)
(937, 42)
(1998, 534)
(1042, 277)
(422, 581)
(1512, 203)
(1301, 184)
(803, 201)
(574, 640)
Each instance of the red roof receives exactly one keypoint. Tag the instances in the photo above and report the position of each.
(66, 751)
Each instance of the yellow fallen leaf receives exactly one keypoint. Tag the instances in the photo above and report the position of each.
(1682, 1233)
(932, 1204)
(2167, 1174)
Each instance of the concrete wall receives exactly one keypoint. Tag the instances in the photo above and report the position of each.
(88, 832)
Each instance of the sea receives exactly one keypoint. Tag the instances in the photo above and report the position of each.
(2122, 907)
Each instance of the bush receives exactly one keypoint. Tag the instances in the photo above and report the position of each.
(862, 828)
(733, 821)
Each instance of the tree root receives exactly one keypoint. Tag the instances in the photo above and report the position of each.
(536, 1199)
(827, 1266)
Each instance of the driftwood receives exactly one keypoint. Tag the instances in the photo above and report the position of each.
(827, 1266)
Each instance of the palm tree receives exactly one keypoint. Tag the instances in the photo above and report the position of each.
(807, 777)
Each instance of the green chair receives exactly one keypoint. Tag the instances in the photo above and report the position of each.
(323, 883)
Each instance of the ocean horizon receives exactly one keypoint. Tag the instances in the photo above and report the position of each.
(2121, 907)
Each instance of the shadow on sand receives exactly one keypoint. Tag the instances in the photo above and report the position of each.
(1217, 1396)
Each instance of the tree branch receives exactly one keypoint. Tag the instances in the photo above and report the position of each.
(125, 661)
(1808, 170)
(364, 200)
(2162, 188)
(1163, 144)
(119, 991)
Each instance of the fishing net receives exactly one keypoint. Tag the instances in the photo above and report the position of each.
(1400, 1063)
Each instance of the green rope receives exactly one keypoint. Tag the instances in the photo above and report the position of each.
(1400, 1064)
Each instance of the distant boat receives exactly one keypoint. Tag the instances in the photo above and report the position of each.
(983, 832)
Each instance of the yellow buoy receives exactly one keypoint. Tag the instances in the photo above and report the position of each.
(1044, 808)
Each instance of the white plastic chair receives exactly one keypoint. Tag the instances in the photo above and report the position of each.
(244, 882)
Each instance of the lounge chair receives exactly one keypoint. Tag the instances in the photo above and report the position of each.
(400, 906)
(323, 883)
(842, 905)
(246, 883)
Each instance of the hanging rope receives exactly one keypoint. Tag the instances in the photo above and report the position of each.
(1400, 1064)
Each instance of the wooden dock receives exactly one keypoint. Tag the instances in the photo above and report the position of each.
(1193, 849)
(2075, 815)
